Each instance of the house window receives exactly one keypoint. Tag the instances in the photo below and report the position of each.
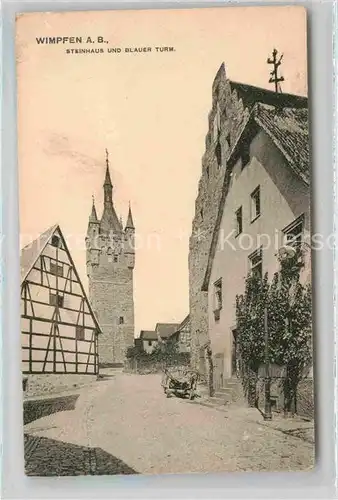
(255, 204)
(55, 299)
(218, 294)
(149, 342)
(56, 269)
(256, 263)
(121, 320)
(115, 258)
(80, 332)
(55, 241)
(218, 299)
(293, 233)
(239, 221)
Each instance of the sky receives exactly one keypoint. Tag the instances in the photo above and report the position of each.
(150, 110)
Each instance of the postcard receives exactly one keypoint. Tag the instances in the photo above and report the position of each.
(166, 291)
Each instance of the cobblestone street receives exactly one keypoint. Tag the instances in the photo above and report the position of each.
(124, 424)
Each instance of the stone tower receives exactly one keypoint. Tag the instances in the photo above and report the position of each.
(110, 264)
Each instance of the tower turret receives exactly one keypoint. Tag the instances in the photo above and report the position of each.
(92, 239)
(129, 232)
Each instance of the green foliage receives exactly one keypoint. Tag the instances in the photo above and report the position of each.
(288, 303)
(164, 353)
(250, 321)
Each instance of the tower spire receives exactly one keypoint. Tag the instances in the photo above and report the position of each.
(107, 180)
(109, 220)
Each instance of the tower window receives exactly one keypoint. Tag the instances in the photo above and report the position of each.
(121, 320)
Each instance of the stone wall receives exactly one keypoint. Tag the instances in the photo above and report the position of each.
(45, 384)
(149, 365)
(226, 120)
(305, 397)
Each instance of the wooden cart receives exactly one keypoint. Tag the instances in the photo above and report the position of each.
(180, 383)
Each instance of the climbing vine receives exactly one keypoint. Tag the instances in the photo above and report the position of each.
(288, 304)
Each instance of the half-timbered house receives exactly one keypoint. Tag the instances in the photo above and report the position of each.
(59, 329)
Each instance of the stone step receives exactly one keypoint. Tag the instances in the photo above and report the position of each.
(232, 383)
(217, 400)
(224, 391)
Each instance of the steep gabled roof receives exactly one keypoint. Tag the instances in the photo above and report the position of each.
(31, 252)
(288, 130)
(184, 323)
(181, 326)
(164, 330)
(148, 335)
(251, 95)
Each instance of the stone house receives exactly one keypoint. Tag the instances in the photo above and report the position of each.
(110, 265)
(254, 179)
(267, 206)
(148, 340)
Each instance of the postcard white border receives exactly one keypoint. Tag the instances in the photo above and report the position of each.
(318, 483)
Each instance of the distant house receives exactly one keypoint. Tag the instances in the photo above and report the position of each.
(138, 343)
(182, 335)
(148, 340)
(59, 330)
(165, 330)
